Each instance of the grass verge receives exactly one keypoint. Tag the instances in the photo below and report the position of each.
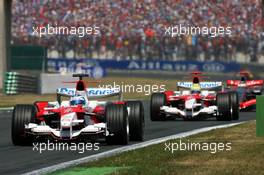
(143, 86)
(245, 157)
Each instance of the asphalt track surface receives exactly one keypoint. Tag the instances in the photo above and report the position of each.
(17, 159)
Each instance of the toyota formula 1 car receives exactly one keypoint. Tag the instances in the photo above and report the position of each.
(79, 118)
(247, 90)
(199, 101)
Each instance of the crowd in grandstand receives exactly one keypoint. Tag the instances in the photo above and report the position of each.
(134, 29)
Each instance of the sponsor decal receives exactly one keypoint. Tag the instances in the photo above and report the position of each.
(207, 85)
(215, 67)
(204, 85)
(212, 66)
(185, 84)
(98, 92)
(66, 91)
(90, 91)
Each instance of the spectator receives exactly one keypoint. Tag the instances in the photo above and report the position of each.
(135, 29)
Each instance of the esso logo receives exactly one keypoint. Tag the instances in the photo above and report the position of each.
(216, 67)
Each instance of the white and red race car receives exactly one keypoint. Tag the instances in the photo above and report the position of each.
(199, 101)
(79, 118)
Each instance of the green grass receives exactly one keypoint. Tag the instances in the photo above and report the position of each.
(11, 100)
(245, 157)
(92, 171)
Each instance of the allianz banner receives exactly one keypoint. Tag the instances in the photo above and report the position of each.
(210, 66)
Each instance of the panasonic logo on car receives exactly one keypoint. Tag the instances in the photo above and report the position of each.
(67, 91)
(207, 85)
(100, 91)
(204, 85)
(185, 84)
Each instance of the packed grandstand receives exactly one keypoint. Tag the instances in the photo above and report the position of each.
(134, 29)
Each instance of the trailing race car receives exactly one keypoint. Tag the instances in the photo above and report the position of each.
(79, 118)
(196, 103)
(246, 89)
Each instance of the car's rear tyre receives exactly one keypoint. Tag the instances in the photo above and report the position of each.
(234, 105)
(136, 120)
(117, 124)
(22, 115)
(157, 100)
(224, 107)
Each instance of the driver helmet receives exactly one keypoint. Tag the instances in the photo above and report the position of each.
(196, 88)
(77, 100)
(242, 81)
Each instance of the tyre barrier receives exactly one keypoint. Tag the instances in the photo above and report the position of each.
(15, 83)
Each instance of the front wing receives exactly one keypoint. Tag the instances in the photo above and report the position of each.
(188, 113)
(65, 133)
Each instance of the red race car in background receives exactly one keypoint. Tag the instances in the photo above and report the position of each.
(79, 118)
(247, 90)
(198, 100)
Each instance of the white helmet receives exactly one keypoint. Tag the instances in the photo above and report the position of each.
(77, 100)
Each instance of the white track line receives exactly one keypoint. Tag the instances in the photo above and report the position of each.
(7, 109)
(126, 148)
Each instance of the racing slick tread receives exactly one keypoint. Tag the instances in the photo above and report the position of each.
(117, 121)
(22, 114)
(234, 105)
(157, 100)
(136, 120)
(224, 107)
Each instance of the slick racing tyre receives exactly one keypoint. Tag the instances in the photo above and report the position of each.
(136, 120)
(22, 115)
(157, 100)
(117, 124)
(234, 105)
(224, 107)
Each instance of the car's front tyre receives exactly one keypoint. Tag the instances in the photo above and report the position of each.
(224, 107)
(117, 124)
(157, 100)
(136, 120)
(234, 105)
(22, 115)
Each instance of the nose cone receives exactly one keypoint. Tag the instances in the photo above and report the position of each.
(189, 104)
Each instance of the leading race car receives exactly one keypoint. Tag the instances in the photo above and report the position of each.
(79, 118)
(246, 89)
(200, 101)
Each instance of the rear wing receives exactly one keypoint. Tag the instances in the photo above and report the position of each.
(203, 85)
(103, 92)
(247, 83)
(90, 92)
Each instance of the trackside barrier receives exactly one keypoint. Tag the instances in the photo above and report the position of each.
(260, 116)
(16, 83)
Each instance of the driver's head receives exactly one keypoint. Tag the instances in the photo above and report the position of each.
(196, 88)
(77, 100)
(242, 82)
(243, 79)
